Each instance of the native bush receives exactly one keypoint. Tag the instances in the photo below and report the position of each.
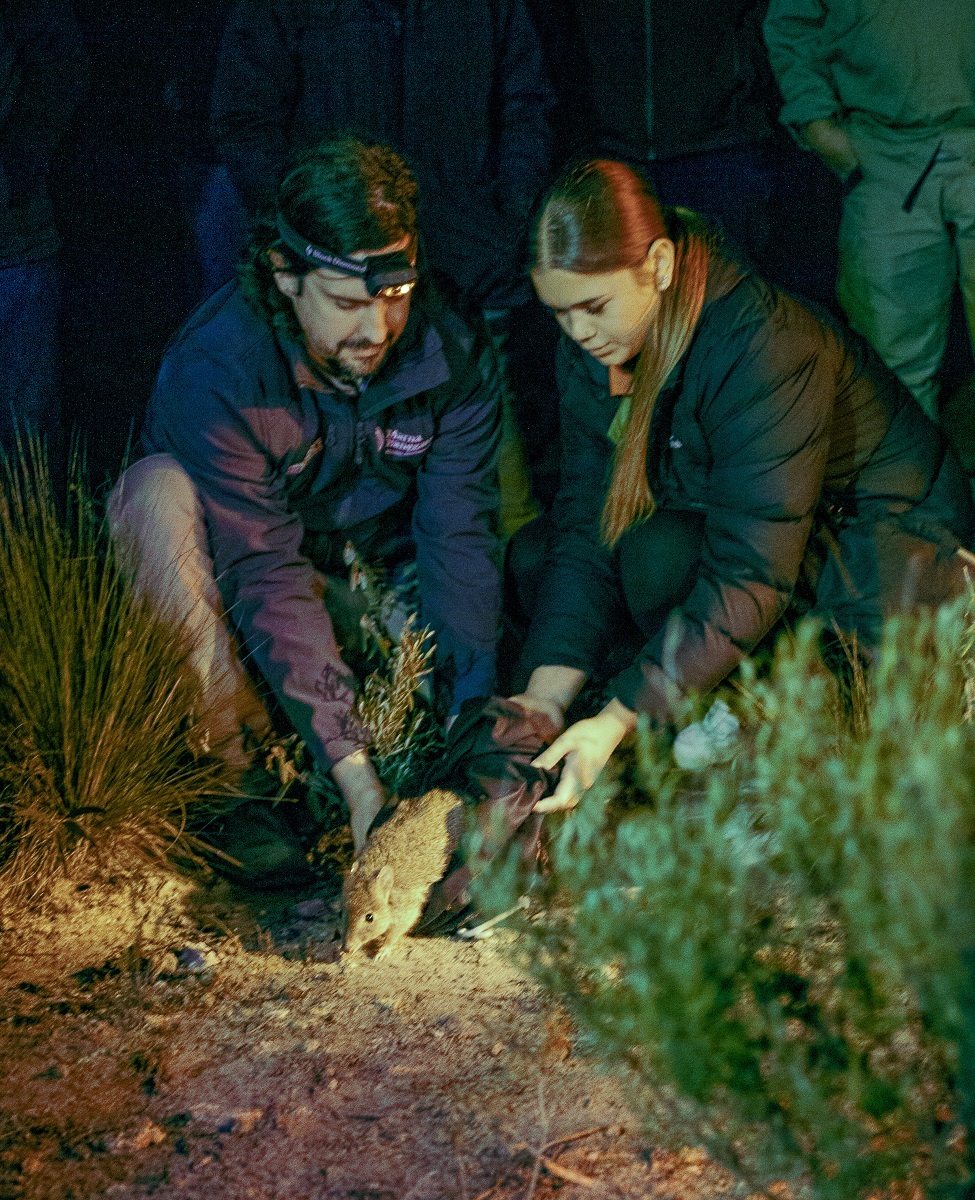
(97, 702)
(780, 952)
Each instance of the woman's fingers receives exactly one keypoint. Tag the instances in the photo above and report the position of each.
(568, 792)
(553, 755)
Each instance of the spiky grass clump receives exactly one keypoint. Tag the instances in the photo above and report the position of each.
(403, 738)
(784, 958)
(96, 699)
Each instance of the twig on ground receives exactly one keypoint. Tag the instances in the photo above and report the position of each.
(566, 1173)
(569, 1137)
(419, 1184)
(461, 1173)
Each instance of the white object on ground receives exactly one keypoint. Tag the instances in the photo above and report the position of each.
(709, 741)
(486, 929)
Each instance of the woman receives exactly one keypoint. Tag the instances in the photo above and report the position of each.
(725, 453)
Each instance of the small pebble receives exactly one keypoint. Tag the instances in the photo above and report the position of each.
(497, 1049)
(195, 960)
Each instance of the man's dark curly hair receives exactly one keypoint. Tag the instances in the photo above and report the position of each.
(342, 195)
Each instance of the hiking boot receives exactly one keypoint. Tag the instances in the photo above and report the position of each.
(265, 851)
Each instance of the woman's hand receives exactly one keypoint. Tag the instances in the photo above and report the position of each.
(550, 691)
(584, 749)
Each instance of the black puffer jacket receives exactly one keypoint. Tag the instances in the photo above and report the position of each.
(809, 462)
(42, 81)
(456, 86)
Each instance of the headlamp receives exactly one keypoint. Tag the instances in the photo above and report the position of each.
(386, 275)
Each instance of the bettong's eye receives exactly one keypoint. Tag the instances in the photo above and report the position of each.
(368, 918)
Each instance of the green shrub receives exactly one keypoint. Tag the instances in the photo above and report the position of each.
(96, 699)
(781, 952)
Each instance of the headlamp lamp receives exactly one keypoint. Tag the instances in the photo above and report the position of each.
(386, 275)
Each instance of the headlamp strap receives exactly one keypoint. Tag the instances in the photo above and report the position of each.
(313, 254)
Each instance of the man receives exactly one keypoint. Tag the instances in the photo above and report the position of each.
(42, 81)
(885, 96)
(328, 398)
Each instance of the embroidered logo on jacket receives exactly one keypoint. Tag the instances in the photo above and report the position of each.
(313, 449)
(404, 445)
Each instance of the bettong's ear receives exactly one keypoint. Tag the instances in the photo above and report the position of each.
(384, 881)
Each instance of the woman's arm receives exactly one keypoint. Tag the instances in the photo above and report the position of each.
(579, 601)
(764, 394)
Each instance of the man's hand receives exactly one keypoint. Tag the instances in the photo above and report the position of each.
(584, 749)
(829, 142)
(363, 793)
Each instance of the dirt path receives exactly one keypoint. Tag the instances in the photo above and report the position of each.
(435, 1074)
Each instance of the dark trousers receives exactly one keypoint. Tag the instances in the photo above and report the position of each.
(30, 299)
(657, 563)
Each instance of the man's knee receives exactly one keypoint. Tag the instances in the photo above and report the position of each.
(154, 499)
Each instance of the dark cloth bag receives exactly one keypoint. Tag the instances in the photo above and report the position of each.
(487, 760)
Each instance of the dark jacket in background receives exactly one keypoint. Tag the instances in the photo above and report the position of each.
(282, 463)
(673, 77)
(42, 82)
(808, 461)
(194, 29)
(456, 86)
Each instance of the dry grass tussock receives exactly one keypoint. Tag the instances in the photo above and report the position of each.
(97, 704)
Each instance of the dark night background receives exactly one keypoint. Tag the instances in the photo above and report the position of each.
(138, 151)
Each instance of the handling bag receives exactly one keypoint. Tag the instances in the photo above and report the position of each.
(487, 760)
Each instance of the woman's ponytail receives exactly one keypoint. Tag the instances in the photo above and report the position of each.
(630, 499)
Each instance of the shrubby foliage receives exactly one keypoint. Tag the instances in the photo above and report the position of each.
(781, 952)
(97, 702)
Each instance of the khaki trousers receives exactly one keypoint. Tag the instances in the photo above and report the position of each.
(899, 270)
(156, 518)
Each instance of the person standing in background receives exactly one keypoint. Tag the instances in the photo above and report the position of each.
(458, 89)
(214, 217)
(42, 82)
(885, 96)
(682, 91)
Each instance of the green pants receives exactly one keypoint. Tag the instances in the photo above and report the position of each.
(899, 269)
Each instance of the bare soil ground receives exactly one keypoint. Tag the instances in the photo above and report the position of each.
(441, 1073)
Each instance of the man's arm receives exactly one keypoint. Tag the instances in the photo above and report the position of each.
(526, 102)
(453, 524)
(271, 591)
(798, 46)
(254, 94)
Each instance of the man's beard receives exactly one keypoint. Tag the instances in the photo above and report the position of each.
(343, 372)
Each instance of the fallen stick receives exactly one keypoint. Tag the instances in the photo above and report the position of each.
(573, 1137)
(567, 1173)
(563, 1141)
